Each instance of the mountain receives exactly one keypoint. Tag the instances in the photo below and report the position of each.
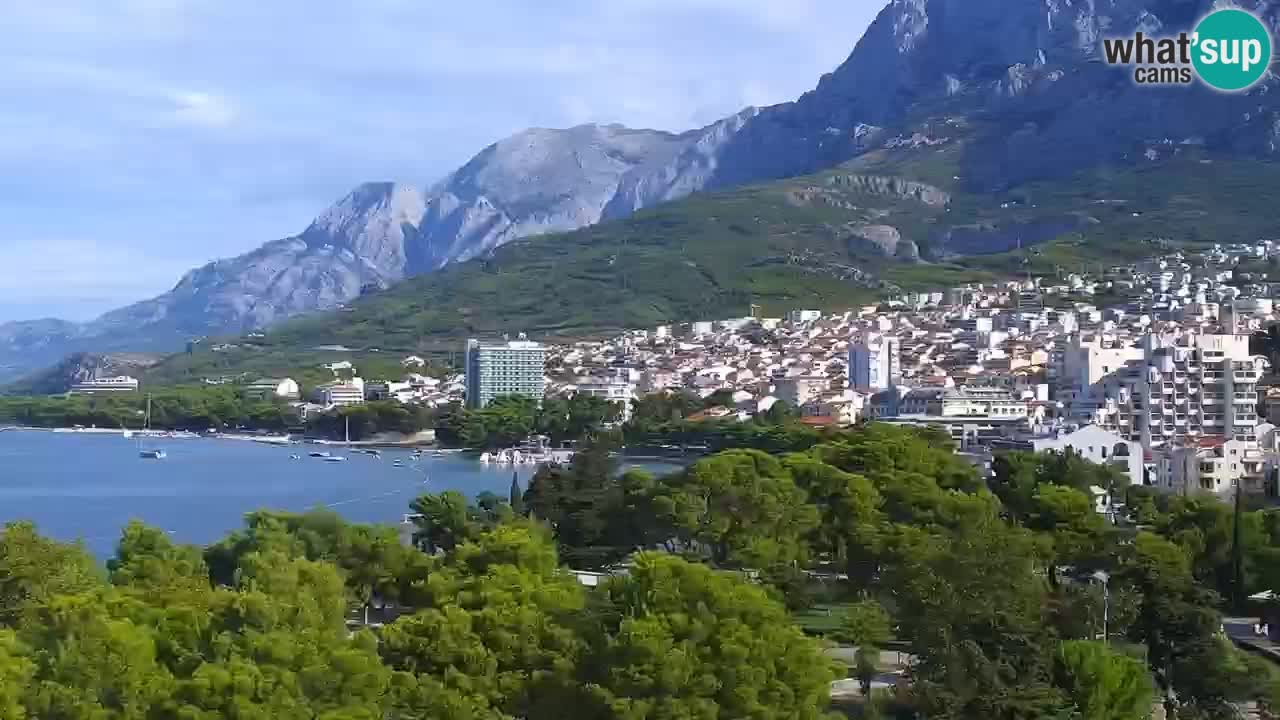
(1031, 71)
(538, 181)
(544, 181)
(997, 116)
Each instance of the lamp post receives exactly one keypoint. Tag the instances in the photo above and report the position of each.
(1103, 577)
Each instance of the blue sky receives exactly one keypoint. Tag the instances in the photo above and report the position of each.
(140, 138)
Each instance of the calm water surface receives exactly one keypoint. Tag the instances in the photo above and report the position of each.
(87, 487)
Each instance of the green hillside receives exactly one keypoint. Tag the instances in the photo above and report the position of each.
(785, 245)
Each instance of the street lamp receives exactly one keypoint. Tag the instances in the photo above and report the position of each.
(1103, 577)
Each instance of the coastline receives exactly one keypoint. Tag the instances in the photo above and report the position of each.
(422, 439)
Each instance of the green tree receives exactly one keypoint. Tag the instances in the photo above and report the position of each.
(742, 507)
(516, 496)
(679, 640)
(1103, 684)
(866, 625)
(972, 602)
(849, 515)
(497, 630)
(443, 521)
(34, 570)
(16, 671)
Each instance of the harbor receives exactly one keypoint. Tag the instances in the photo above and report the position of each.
(88, 485)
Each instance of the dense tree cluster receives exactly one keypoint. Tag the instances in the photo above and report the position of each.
(255, 627)
(987, 587)
(195, 408)
(668, 418)
(362, 422)
(507, 421)
(990, 587)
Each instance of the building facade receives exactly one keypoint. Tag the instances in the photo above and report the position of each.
(875, 362)
(616, 387)
(796, 391)
(340, 394)
(273, 388)
(1098, 446)
(121, 383)
(507, 368)
(1165, 390)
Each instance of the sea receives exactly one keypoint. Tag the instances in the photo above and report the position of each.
(87, 487)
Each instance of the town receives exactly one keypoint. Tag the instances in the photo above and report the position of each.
(1149, 368)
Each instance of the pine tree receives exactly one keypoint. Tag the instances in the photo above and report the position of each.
(517, 496)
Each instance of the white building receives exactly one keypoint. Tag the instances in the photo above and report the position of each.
(1098, 446)
(875, 362)
(1166, 388)
(273, 388)
(799, 317)
(507, 368)
(120, 383)
(1210, 465)
(338, 394)
(403, 392)
(615, 387)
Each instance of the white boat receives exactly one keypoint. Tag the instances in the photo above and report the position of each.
(295, 457)
(153, 453)
(128, 434)
(334, 458)
(318, 454)
(486, 458)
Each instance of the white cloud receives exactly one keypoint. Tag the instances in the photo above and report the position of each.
(202, 109)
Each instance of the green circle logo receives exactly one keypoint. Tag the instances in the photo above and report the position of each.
(1232, 50)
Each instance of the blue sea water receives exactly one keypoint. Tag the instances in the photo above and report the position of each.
(87, 487)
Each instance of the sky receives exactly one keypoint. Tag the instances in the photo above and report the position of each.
(142, 138)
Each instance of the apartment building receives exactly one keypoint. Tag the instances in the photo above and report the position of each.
(875, 362)
(513, 367)
(1164, 388)
(1211, 464)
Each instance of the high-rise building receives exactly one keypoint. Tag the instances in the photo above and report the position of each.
(505, 368)
(875, 363)
(1168, 390)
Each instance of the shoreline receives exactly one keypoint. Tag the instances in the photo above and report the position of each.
(407, 443)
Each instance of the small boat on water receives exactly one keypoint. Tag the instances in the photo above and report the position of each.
(334, 458)
(319, 454)
(149, 453)
(295, 457)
